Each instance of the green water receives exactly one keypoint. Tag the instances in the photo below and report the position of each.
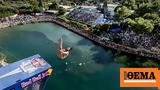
(97, 72)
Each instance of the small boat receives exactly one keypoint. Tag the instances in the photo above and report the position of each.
(62, 53)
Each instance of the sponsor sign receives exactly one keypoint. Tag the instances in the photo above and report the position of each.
(36, 78)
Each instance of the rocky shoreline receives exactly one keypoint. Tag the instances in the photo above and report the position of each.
(84, 33)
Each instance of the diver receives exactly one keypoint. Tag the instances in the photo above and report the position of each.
(62, 53)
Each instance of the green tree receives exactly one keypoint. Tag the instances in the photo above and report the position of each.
(34, 2)
(143, 25)
(141, 2)
(25, 9)
(53, 6)
(61, 10)
(145, 8)
(157, 25)
(7, 11)
(131, 4)
(129, 23)
(156, 5)
(40, 3)
(151, 16)
(122, 13)
(37, 9)
(139, 25)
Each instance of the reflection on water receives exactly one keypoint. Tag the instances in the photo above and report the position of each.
(135, 61)
(88, 67)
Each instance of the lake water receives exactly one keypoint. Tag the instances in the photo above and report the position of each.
(88, 67)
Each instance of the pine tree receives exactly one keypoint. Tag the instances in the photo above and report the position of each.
(40, 3)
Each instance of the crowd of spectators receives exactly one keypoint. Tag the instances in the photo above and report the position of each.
(131, 39)
(11, 21)
(85, 15)
(23, 19)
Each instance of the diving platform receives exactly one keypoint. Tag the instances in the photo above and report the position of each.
(27, 74)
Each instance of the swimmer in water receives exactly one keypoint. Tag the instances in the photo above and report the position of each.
(62, 53)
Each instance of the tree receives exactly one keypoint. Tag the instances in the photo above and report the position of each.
(25, 9)
(156, 5)
(7, 11)
(131, 4)
(157, 25)
(139, 25)
(145, 8)
(61, 10)
(37, 9)
(122, 13)
(40, 3)
(105, 9)
(128, 24)
(151, 16)
(53, 6)
(34, 2)
(143, 25)
(141, 2)
(35, 6)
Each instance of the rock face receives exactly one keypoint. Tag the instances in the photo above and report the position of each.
(3, 60)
